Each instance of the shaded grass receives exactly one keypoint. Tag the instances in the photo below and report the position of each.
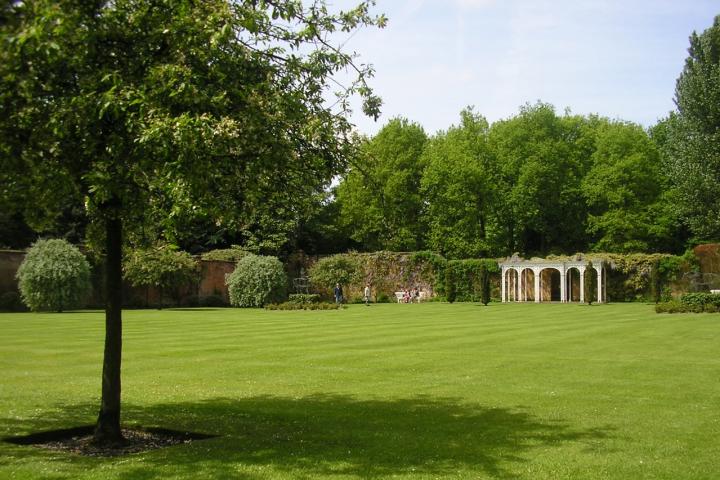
(390, 391)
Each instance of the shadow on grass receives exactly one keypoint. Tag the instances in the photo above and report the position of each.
(335, 434)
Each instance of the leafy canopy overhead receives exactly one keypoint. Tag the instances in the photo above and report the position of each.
(189, 108)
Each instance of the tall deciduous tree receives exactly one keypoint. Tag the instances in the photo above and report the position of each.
(380, 202)
(458, 186)
(693, 143)
(541, 160)
(151, 109)
(624, 191)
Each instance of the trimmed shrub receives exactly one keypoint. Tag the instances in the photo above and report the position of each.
(304, 306)
(700, 299)
(484, 285)
(342, 269)
(232, 254)
(691, 303)
(54, 276)
(467, 279)
(256, 281)
(162, 267)
(450, 285)
(590, 284)
(303, 298)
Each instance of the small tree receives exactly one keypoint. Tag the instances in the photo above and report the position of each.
(162, 267)
(450, 290)
(484, 284)
(256, 281)
(590, 283)
(342, 269)
(54, 276)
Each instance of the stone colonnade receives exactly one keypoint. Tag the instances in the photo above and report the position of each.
(514, 280)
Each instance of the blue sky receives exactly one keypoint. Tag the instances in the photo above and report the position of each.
(617, 58)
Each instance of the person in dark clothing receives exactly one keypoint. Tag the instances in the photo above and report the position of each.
(338, 293)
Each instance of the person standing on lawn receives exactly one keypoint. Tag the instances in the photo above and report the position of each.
(366, 294)
(338, 293)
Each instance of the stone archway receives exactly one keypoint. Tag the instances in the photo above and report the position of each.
(522, 280)
(550, 285)
(573, 285)
(527, 283)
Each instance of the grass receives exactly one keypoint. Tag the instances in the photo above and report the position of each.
(425, 391)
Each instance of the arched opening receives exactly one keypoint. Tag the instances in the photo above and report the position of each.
(572, 286)
(550, 285)
(527, 283)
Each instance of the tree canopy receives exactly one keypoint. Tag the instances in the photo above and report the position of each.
(380, 202)
(535, 183)
(150, 113)
(692, 136)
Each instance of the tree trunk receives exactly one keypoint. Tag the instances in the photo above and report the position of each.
(107, 429)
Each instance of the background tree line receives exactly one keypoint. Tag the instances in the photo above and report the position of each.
(536, 183)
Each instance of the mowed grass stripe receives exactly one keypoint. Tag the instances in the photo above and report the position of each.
(388, 391)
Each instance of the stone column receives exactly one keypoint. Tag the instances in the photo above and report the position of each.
(536, 277)
(563, 286)
(517, 286)
(502, 285)
(582, 284)
(600, 285)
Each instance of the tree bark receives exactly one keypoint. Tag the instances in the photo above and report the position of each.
(107, 429)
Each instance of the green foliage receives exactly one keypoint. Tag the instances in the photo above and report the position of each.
(656, 283)
(303, 298)
(233, 254)
(380, 201)
(541, 160)
(53, 276)
(590, 283)
(431, 266)
(458, 186)
(484, 284)
(450, 292)
(690, 305)
(468, 277)
(174, 103)
(623, 191)
(155, 115)
(304, 306)
(162, 267)
(630, 275)
(700, 298)
(256, 281)
(342, 269)
(692, 135)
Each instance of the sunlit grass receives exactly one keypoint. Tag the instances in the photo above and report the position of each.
(387, 391)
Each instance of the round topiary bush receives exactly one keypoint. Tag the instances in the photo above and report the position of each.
(54, 276)
(256, 281)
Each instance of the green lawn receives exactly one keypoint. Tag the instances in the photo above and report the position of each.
(387, 391)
